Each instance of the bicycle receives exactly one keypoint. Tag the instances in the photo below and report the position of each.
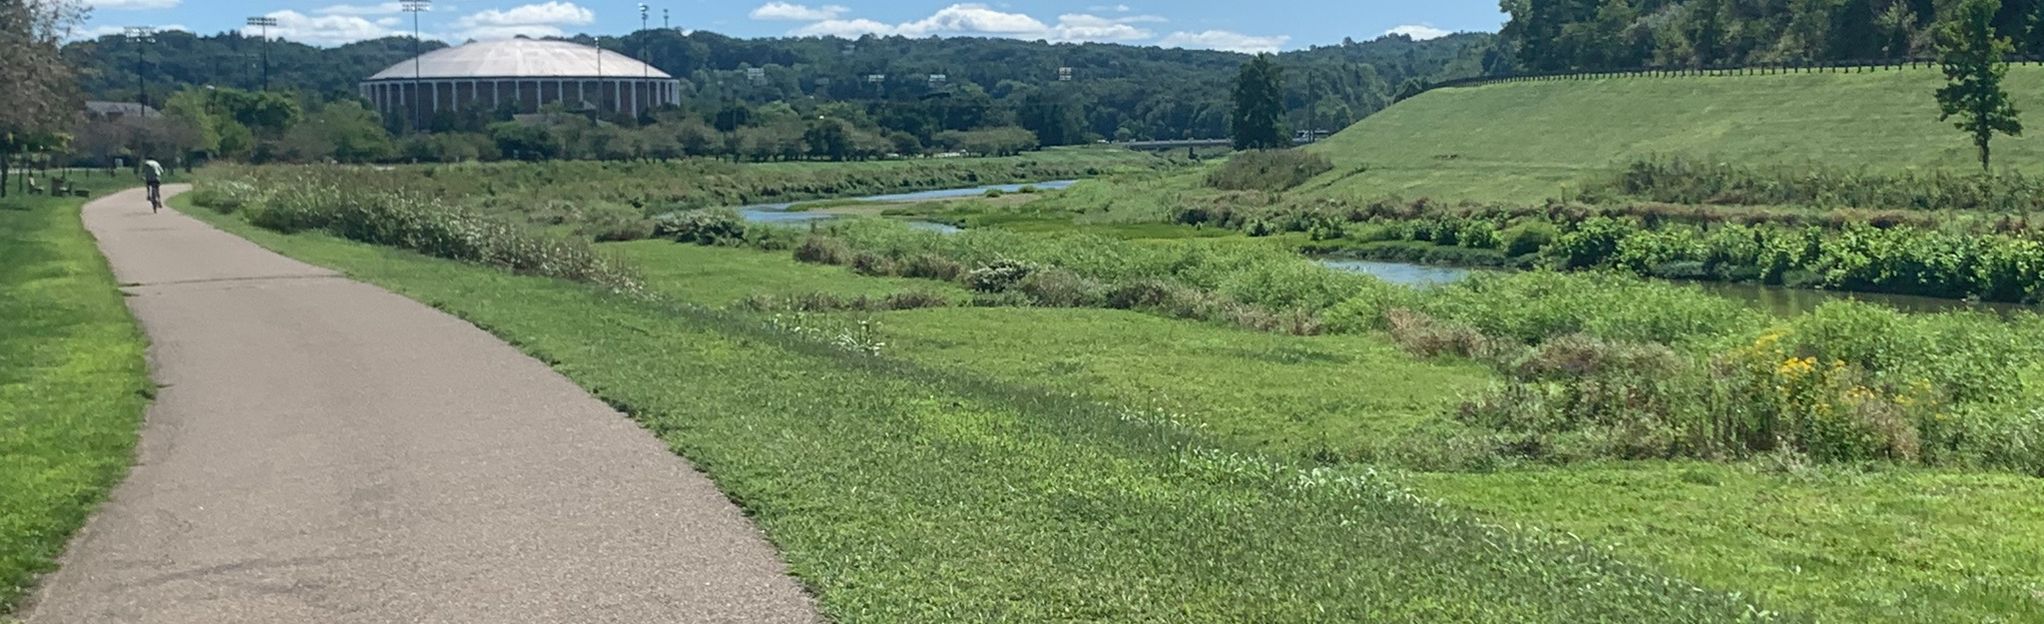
(155, 198)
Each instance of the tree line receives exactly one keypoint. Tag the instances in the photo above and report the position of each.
(1571, 35)
(1112, 91)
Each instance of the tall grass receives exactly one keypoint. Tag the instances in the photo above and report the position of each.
(324, 200)
(1268, 170)
(1685, 180)
(614, 200)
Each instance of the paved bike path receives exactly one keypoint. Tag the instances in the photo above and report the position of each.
(325, 451)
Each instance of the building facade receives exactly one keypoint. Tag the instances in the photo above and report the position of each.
(522, 76)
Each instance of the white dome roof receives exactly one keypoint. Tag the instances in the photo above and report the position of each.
(519, 58)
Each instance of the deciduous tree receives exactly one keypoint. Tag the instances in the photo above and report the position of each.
(1975, 63)
(1258, 119)
(38, 96)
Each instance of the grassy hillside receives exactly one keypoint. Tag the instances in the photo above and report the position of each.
(1528, 141)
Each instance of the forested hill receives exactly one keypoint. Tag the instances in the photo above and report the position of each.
(1557, 35)
(1115, 91)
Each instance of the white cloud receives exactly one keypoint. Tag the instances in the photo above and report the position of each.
(133, 5)
(971, 19)
(1224, 40)
(979, 19)
(1109, 8)
(531, 20)
(325, 30)
(1081, 27)
(102, 31)
(849, 29)
(387, 8)
(787, 12)
(1419, 32)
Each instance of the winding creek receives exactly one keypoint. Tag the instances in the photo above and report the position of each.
(1775, 300)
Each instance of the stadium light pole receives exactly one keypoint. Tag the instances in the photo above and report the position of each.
(415, 7)
(265, 23)
(140, 35)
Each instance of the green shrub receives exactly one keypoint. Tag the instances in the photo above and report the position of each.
(999, 276)
(1529, 237)
(932, 266)
(1060, 288)
(869, 263)
(824, 250)
(227, 196)
(720, 226)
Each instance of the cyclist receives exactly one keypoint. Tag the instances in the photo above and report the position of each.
(152, 175)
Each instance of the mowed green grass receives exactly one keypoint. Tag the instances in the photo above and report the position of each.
(903, 492)
(73, 384)
(1898, 545)
(1527, 141)
(1318, 396)
(1321, 396)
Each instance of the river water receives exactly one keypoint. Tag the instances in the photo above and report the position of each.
(778, 213)
(1772, 299)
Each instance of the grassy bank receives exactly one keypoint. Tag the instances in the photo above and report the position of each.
(1846, 543)
(906, 491)
(73, 384)
(1530, 141)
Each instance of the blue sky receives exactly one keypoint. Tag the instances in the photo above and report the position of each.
(1244, 25)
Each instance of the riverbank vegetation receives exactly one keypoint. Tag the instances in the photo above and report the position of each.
(869, 470)
(1360, 374)
(73, 384)
(618, 201)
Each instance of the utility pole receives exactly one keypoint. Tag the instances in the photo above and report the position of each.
(664, 23)
(645, 63)
(415, 7)
(265, 23)
(642, 44)
(140, 36)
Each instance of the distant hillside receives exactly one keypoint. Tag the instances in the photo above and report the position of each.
(1528, 140)
(1117, 91)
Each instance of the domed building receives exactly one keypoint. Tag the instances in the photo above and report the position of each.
(523, 75)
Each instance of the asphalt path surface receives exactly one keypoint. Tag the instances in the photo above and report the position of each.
(322, 450)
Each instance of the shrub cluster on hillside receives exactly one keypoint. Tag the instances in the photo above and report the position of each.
(1268, 170)
(1682, 180)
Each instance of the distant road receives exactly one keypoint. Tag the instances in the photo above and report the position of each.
(326, 451)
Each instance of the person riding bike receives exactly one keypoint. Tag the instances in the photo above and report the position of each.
(152, 175)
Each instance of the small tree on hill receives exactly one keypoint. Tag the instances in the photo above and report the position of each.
(1258, 120)
(1975, 63)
